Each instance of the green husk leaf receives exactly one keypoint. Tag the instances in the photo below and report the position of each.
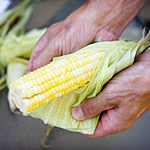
(17, 28)
(3, 86)
(14, 48)
(2, 82)
(15, 70)
(15, 19)
(2, 79)
(5, 16)
(10, 16)
(120, 54)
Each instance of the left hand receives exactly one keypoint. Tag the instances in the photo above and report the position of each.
(95, 20)
(124, 99)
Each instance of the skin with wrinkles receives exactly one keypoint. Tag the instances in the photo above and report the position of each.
(95, 20)
(127, 96)
(124, 99)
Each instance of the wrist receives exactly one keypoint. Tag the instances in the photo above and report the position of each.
(111, 15)
(145, 82)
(143, 63)
(107, 19)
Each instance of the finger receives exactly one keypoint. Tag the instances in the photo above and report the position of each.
(143, 57)
(43, 41)
(38, 47)
(104, 127)
(113, 121)
(62, 43)
(92, 107)
(46, 55)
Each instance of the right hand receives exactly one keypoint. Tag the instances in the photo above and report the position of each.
(125, 98)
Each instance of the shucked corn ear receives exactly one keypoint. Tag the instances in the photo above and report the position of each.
(54, 80)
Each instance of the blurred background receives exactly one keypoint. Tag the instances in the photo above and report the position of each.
(19, 132)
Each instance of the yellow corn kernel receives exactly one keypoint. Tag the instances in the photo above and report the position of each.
(56, 79)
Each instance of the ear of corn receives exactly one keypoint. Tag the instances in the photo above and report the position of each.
(54, 80)
(115, 56)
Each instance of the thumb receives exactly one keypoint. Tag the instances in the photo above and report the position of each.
(92, 107)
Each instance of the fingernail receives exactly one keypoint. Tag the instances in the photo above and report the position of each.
(77, 113)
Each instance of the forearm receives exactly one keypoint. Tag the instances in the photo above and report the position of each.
(109, 17)
(144, 60)
(117, 14)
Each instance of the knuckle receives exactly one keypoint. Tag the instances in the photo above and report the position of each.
(88, 109)
(34, 65)
(111, 96)
(109, 91)
(125, 127)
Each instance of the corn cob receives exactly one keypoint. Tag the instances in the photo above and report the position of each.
(54, 80)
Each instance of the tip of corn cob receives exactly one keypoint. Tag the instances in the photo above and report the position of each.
(15, 96)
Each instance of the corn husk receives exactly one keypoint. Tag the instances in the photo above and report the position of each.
(15, 70)
(17, 49)
(15, 19)
(120, 55)
(12, 26)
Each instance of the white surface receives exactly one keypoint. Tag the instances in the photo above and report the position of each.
(4, 4)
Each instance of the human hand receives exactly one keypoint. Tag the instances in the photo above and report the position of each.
(65, 37)
(124, 99)
(95, 20)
